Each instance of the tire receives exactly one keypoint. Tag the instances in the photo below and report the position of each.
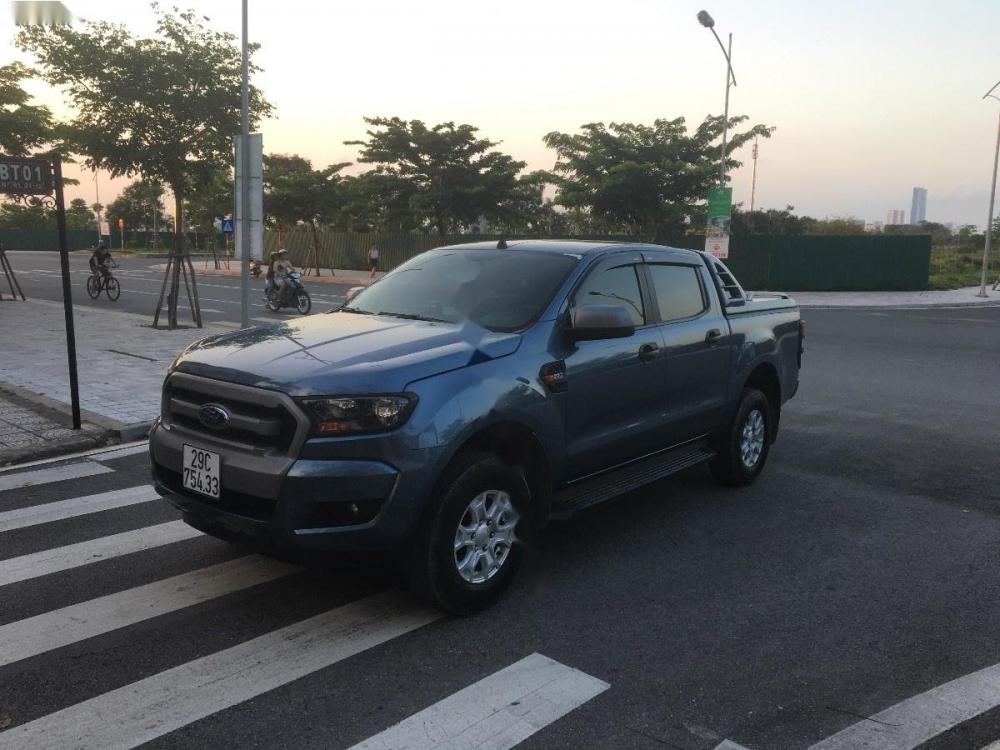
(434, 568)
(112, 288)
(93, 287)
(272, 304)
(746, 442)
(302, 302)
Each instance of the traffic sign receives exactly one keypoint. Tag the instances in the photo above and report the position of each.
(227, 226)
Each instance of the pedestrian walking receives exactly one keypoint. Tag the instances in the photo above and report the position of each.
(373, 260)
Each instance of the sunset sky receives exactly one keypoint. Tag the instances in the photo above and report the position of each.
(869, 98)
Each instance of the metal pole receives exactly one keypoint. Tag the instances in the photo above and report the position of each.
(74, 389)
(725, 116)
(753, 179)
(245, 185)
(97, 192)
(989, 220)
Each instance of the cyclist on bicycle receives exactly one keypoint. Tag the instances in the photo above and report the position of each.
(100, 260)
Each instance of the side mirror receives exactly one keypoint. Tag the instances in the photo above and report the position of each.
(593, 322)
(353, 292)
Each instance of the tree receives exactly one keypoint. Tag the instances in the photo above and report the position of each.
(208, 200)
(23, 127)
(644, 180)
(294, 192)
(458, 176)
(770, 221)
(19, 216)
(140, 204)
(837, 225)
(375, 201)
(79, 215)
(163, 106)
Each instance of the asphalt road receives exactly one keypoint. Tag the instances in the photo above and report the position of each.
(141, 279)
(859, 571)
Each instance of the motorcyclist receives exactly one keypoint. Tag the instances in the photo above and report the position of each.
(100, 259)
(273, 258)
(282, 268)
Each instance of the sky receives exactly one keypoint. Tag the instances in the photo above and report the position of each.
(869, 98)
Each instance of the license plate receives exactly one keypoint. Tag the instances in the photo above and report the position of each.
(201, 471)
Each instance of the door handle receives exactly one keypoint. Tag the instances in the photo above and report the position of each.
(713, 337)
(648, 351)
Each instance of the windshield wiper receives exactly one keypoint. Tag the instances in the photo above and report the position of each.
(413, 316)
(345, 308)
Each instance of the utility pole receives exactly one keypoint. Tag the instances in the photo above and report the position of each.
(993, 192)
(97, 193)
(244, 196)
(753, 179)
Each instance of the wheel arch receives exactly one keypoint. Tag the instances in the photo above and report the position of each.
(764, 377)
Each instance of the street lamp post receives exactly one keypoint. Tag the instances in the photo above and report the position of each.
(709, 23)
(244, 197)
(993, 192)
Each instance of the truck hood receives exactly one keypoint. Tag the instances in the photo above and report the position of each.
(343, 353)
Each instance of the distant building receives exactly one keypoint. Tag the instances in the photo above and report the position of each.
(918, 209)
(873, 226)
(895, 216)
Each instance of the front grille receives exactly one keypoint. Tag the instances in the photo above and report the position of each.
(259, 419)
(238, 503)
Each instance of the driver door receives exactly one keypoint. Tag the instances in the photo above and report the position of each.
(613, 405)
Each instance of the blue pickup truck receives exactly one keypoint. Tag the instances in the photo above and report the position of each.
(447, 412)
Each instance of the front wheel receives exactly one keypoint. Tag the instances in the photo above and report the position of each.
(302, 302)
(271, 302)
(112, 288)
(93, 287)
(472, 542)
(745, 444)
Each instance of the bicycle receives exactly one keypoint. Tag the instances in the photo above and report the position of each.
(107, 283)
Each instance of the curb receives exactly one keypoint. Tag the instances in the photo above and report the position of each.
(115, 430)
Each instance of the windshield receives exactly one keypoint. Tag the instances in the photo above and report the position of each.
(501, 290)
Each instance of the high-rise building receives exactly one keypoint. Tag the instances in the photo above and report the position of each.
(918, 209)
(895, 216)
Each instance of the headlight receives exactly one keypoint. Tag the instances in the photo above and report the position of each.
(358, 415)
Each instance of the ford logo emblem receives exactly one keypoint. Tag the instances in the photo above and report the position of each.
(213, 416)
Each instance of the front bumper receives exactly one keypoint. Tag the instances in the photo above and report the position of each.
(275, 503)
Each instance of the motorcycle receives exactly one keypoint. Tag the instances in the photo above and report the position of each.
(255, 268)
(293, 295)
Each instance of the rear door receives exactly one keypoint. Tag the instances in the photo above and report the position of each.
(612, 398)
(697, 347)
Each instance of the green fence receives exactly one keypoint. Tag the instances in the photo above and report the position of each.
(779, 263)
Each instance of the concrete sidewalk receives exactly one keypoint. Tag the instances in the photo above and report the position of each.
(933, 298)
(121, 361)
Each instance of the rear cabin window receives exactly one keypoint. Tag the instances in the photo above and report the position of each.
(678, 291)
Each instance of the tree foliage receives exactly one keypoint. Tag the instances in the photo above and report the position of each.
(79, 215)
(294, 192)
(457, 176)
(164, 106)
(24, 127)
(140, 204)
(644, 180)
(376, 201)
(770, 221)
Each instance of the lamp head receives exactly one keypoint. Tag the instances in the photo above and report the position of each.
(705, 19)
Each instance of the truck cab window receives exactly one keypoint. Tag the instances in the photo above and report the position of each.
(678, 291)
(613, 286)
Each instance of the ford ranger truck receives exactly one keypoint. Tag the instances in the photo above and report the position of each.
(448, 411)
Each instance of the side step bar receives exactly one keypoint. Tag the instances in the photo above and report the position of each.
(617, 482)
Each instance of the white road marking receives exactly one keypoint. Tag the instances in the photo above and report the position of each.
(150, 708)
(496, 713)
(57, 474)
(77, 506)
(916, 720)
(49, 561)
(77, 622)
(729, 745)
(132, 450)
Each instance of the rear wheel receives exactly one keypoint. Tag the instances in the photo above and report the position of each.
(112, 288)
(473, 541)
(93, 287)
(302, 302)
(745, 445)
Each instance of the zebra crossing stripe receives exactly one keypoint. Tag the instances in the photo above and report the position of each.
(152, 707)
(496, 713)
(54, 560)
(131, 450)
(56, 474)
(77, 506)
(36, 635)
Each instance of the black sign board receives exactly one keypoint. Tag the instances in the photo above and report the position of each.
(25, 176)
